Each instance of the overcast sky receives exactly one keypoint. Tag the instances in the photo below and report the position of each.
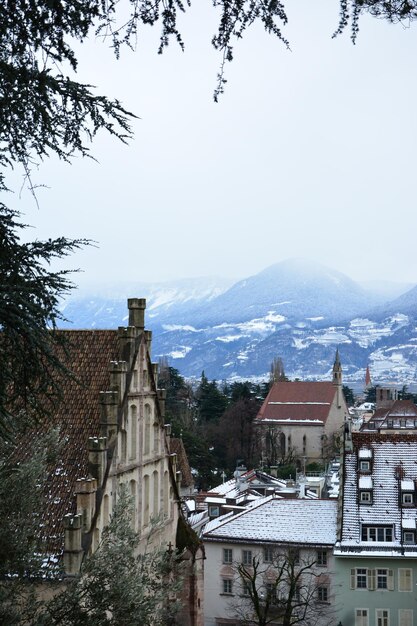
(310, 152)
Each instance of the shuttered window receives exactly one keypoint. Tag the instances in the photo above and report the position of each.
(405, 579)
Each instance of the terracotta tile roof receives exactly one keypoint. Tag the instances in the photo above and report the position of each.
(400, 409)
(77, 417)
(298, 401)
(177, 447)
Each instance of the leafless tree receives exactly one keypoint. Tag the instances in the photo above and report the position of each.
(280, 587)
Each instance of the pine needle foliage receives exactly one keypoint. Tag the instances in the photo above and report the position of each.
(118, 586)
(30, 297)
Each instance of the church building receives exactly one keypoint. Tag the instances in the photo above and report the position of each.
(302, 421)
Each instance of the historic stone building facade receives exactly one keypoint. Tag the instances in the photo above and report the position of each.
(302, 421)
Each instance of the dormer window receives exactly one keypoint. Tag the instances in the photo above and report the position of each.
(408, 499)
(390, 423)
(409, 536)
(214, 511)
(407, 493)
(365, 460)
(376, 533)
(365, 497)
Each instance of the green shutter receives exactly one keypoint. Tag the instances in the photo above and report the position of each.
(390, 580)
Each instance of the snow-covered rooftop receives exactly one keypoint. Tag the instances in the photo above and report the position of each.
(393, 455)
(365, 482)
(279, 521)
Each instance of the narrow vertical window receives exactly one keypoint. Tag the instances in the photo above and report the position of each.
(146, 500)
(147, 435)
(133, 431)
(155, 508)
(166, 493)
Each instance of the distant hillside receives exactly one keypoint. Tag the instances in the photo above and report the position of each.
(295, 309)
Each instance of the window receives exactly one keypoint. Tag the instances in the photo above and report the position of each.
(382, 579)
(365, 497)
(304, 444)
(247, 557)
(321, 557)
(403, 423)
(294, 555)
(361, 578)
(409, 536)
(227, 586)
(227, 555)
(390, 423)
(365, 466)
(408, 498)
(382, 617)
(405, 617)
(246, 588)
(376, 533)
(379, 579)
(405, 579)
(133, 430)
(322, 594)
(297, 594)
(361, 617)
(214, 511)
(268, 554)
(271, 592)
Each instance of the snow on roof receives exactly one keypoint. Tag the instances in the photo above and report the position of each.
(409, 523)
(190, 505)
(365, 453)
(365, 482)
(279, 521)
(215, 500)
(391, 453)
(407, 485)
(300, 403)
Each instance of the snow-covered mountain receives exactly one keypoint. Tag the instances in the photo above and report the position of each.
(297, 310)
(105, 307)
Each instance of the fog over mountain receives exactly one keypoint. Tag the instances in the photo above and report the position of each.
(296, 309)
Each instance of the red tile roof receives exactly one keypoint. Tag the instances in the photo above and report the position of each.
(400, 408)
(77, 417)
(177, 447)
(298, 401)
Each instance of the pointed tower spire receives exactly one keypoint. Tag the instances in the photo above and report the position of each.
(337, 369)
(368, 382)
(337, 377)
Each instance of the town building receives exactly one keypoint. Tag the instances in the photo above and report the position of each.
(376, 549)
(302, 421)
(393, 415)
(272, 536)
(110, 424)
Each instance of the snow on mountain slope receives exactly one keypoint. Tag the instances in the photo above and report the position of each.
(297, 310)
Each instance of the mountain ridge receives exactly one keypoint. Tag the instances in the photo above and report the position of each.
(296, 309)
